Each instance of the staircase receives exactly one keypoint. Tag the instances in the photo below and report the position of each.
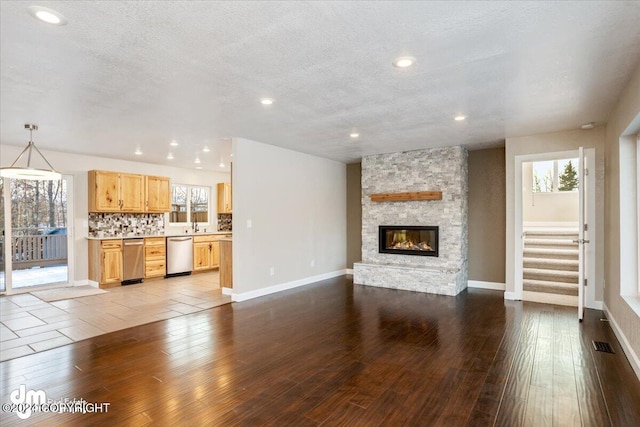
(550, 261)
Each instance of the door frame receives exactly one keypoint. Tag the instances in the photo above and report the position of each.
(590, 273)
(8, 264)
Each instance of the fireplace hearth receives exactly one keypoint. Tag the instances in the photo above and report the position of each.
(408, 240)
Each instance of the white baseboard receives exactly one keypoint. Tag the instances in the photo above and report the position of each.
(512, 296)
(285, 286)
(597, 305)
(93, 283)
(486, 285)
(86, 282)
(227, 291)
(349, 271)
(632, 357)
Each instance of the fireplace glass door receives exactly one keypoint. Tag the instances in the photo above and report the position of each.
(409, 240)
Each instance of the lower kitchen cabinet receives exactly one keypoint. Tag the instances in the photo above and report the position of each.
(206, 252)
(105, 262)
(155, 257)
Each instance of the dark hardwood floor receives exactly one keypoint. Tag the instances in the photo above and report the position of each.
(337, 354)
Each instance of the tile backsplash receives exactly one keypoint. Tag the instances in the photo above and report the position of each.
(224, 222)
(125, 224)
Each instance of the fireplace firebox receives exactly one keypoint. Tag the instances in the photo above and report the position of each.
(408, 240)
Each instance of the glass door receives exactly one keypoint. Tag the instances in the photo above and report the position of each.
(38, 237)
(3, 286)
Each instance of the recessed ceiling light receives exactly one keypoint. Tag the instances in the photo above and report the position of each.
(354, 134)
(197, 160)
(404, 62)
(47, 15)
(459, 118)
(170, 156)
(266, 101)
(138, 152)
(174, 143)
(221, 164)
(587, 126)
(205, 150)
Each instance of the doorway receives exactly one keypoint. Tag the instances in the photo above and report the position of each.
(552, 247)
(35, 241)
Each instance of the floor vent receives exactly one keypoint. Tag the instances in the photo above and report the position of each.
(602, 346)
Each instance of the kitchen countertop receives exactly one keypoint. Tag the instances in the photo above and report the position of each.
(160, 235)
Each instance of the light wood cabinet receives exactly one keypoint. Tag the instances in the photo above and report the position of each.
(206, 252)
(126, 192)
(158, 194)
(155, 257)
(116, 192)
(224, 198)
(226, 264)
(105, 262)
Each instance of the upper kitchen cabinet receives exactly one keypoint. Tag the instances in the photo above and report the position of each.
(125, 192)
(224, 198)
(158, 192)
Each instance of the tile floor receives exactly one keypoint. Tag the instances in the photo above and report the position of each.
(29, 325)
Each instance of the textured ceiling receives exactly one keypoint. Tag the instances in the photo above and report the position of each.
(127, 74)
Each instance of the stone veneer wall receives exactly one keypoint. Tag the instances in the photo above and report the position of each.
(439, 169)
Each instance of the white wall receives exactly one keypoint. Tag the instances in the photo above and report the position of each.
(549, 143)
(78, 165)
(297, 205)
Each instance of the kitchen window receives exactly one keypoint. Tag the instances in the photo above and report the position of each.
(189, 204)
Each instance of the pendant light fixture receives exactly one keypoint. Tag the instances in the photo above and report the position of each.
(29, 172)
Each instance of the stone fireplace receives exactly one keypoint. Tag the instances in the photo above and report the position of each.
(394, 231)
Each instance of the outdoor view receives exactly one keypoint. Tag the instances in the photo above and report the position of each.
(38, 248)
(197, 210)
(555, 175)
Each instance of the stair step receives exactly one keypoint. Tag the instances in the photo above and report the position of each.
(552, 233)
(559, 288)
(551, 253)
(551, 264)
(550, 243)
(550, 275)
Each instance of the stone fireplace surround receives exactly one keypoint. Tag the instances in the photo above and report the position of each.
(438, 169)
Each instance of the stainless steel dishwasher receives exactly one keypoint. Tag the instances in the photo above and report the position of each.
(179, 256)
(132, 261)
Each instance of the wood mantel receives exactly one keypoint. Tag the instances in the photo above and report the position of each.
(403, 197)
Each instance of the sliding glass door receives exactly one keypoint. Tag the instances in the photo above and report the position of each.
(35, 242)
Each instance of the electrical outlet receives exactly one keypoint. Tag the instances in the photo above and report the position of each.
(313, 263)
(272, 271)
(249, 223)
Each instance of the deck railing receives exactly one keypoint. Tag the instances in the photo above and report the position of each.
(36, 251)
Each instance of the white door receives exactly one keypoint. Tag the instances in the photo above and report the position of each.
(582, 229)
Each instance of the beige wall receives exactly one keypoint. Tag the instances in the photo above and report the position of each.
(487, 215)
(549, 143)
(627, 109)
(354, 214)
